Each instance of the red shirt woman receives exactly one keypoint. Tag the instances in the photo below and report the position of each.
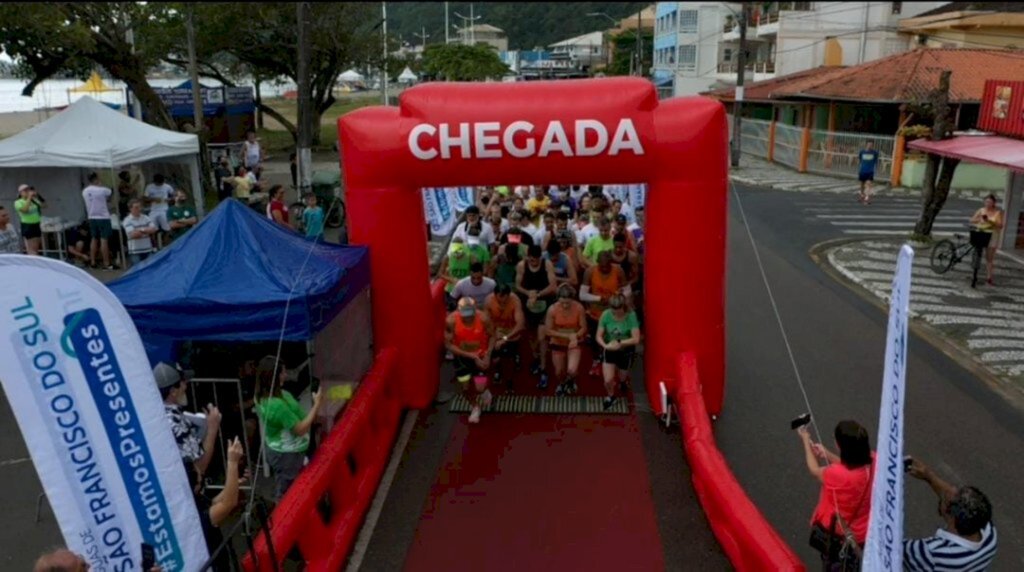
(845, 482)
(276, 209)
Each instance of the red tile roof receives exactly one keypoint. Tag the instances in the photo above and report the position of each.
(899, 78)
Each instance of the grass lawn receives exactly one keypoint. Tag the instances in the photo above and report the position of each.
(276, 138)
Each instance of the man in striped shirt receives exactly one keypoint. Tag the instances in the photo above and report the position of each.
(968, 543)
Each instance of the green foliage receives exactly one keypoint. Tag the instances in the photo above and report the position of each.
(456, 62)
(624, 53)
(528, 24)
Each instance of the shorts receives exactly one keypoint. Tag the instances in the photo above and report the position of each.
(536, 319)
(465, 369)
(30, 230)
(159, 219)
(622, 359)
(100, 228)
(864, 177)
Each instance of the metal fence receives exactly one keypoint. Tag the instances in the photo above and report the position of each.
(838, 154)
(787, 145)
(754, 138)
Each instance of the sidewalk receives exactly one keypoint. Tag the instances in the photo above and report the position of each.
(759, 172)
(983, 327)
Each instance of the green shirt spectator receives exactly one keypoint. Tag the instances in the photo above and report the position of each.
(179, 213)
(280, 415)
(30, 216)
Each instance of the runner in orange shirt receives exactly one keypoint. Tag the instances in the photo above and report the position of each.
(506, 313)
(469, 336)
(566, 328)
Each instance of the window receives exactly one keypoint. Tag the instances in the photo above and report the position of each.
(688, 20)
(897, 7)
(688, 57)
(727, 55)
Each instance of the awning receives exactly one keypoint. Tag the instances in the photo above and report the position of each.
(985, 149)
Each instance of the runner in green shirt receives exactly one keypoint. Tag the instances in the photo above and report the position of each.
(600, 243)
(618, 333)
(455, 265)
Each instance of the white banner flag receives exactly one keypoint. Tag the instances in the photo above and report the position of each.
(82, 390)
(884, 546)
(440, 204)
(464, 198)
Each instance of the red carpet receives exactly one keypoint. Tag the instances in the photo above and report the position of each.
(530, 492)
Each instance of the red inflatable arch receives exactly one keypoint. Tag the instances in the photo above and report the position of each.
(601, 131)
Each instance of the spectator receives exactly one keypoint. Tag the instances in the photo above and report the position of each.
(10, 242)
(473, 218)
(506, 313)
(276, 209)
(988, 222)
(469, 336)
(126, 191)
(76, 238)
(140, 230)
(195, 448)
(181, 216)
(241, 184)
(28, 207)
(844, 504)
(158, 196)
(969, 540)
(213, 513)
(252, 154)
(618, 334)
(286, 427)
(475, 286)
(96, 199)
(293, 166)
(313, 218)
(222, 174)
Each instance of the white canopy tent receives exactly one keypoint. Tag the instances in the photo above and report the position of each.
(351, 75)
(407, 76)
(55, 155)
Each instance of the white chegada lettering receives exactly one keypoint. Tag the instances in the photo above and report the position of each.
(584, 125)
(414, 141)
(487, 140)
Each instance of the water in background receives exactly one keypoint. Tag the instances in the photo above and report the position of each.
(54, 92)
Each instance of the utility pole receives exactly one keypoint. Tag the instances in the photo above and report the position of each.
(303, 154)
(737, 106)
(197, 90)
(472, 30)
(639, 44)
(423, 35)
(384, 62)
(864, 32)
(447, 40)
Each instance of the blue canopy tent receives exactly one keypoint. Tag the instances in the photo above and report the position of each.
(238, 276)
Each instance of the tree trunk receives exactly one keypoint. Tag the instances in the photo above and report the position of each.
(154, 108)
(280, 119)
(259, 101)
(933, 193)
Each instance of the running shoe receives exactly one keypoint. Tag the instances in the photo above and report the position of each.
(535, 368)
(608, 402)
(570, 386)
(561, 390)
(486, 399)
(474, 416)
(543, 381)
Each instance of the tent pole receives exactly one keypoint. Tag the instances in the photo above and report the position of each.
(197, 187)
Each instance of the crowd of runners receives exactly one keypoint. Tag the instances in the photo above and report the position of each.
(557, 270)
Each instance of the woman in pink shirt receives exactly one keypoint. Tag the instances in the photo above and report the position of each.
(845, 500)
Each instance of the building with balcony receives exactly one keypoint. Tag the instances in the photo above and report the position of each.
(968, 25)
(582, 52)
(484, 34)
(688, 47)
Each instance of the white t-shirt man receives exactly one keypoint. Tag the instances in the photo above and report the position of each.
(96, 198)
(486, 232)
(132, 224)
(158, 211)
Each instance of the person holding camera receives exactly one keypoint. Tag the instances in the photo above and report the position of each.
(988, 221)
(969, 540)
(28, 207)
(839, 525)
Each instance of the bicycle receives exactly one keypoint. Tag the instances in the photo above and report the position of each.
(946, 253)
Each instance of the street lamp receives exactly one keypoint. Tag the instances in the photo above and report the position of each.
(612, 20)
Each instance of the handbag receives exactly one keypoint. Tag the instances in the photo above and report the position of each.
(841, 549)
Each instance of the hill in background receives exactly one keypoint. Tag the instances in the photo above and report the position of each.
(528, 24)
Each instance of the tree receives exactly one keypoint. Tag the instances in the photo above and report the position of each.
(49, 39)
(936, 189)
(457, 62)
(343, 34)
(624, 53)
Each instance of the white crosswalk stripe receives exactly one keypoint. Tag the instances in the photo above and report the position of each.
(886, 216)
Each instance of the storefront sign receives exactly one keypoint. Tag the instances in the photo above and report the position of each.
(1002, 108)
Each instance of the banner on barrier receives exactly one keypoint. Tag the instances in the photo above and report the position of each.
(82, 391)
(464, 198)
(883, 549)
(439, 207)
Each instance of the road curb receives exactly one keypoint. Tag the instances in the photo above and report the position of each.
(821, 252)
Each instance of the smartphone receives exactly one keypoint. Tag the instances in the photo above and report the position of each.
(148, 557)
(800, 421)
(907, 462)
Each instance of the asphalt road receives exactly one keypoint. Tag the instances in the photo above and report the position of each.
(954, 422)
